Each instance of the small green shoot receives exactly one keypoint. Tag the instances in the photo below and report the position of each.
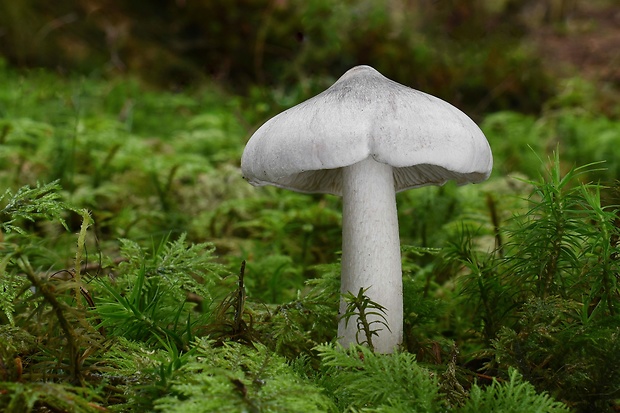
(370, 316)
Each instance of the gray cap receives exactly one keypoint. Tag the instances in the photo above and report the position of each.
(426, 140)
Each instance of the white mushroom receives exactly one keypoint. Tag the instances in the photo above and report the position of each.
(366, 138)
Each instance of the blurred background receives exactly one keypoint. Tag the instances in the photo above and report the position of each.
(481, 55)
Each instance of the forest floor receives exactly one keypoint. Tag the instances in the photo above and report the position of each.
(586, 41)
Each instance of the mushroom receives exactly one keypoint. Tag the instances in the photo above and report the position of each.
(366, 138)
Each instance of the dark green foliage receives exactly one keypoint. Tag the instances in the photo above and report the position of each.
(277, 217)
(14, 341)
(53, 306)
(358, 379)
(25, 207)
(421, 310)
(296, 327)
(582, 137)
(377, 382)
(274, 278)
(488, 298)
(518, 139)
(234, 377)
(549, 302)
(559, 349)
(566, 244)
(36, 397)
(31, 204)
(513, 396)
(149, 301)
(231, 321)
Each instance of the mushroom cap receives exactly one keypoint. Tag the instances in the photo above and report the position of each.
(364, 114)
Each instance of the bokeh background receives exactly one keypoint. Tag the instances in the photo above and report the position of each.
(481, 55)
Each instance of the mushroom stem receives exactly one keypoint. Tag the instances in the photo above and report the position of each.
(371, 249)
